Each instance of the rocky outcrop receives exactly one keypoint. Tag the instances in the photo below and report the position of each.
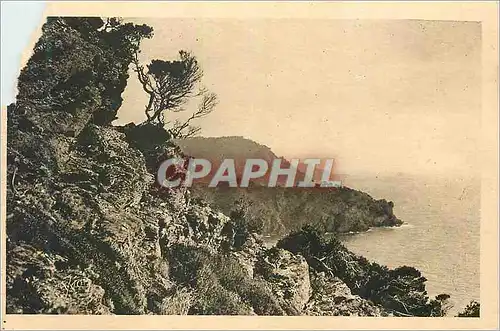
(97, 210)
(249, 254)
(332, 297)
(288, 275)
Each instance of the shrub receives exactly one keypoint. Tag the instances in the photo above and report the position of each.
(178, 303)
(473, 309)
(219, 284)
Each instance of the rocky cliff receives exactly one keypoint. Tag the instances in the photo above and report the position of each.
(280, 210)
(90, 232)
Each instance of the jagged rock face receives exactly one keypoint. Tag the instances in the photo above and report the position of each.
(48, 287)
(77, 73)
(62, 101)
(83, 212)
(90, 212)
(288, 275)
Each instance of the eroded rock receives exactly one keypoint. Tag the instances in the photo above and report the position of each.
(333, 297)
(288, 275)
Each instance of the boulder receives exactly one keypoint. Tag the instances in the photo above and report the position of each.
(332, 297)
(288, 275)
(249, 253)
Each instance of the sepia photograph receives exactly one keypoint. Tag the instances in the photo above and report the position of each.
(266, 165)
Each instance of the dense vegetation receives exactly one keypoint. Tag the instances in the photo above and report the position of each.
(473, 309)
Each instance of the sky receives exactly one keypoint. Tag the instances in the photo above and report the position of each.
(381, 97)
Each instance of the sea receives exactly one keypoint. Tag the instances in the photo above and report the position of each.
(440, 235)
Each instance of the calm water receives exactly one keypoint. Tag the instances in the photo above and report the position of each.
(440, 237)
